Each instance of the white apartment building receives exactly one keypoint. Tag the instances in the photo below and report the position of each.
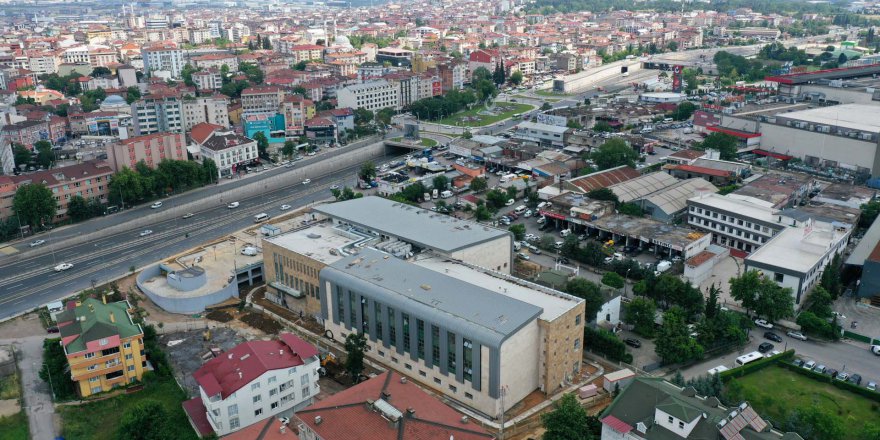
(229, 151)
(42, 63)
(254, 381)
(261, 99)
(211, 109)
(735, 221)
(199, 36)
(374, 95)
(94, 55)
(208, 79)
(157, 113)
(163, 58)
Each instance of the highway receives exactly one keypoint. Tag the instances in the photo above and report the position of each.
(28, 280)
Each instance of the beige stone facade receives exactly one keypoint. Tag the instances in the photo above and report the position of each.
(287, 271)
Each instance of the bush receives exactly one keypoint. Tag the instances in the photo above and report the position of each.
(784, 358)
(862, 391)
(607, 344)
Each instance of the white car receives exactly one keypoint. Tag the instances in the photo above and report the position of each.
(312, 153)
(63, 267)
(232, 205)
(763, 323)
(334, 186)
(797, 335)
(285, 207)
(510, 202)
(36, 243)
(307, 181)
(531, 237)
(840, 316)
(156, 205)
(146, 232)
(188, 215)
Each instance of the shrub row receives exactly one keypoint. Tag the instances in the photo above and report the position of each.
(606, 343)
(858, 389)
(756, 365)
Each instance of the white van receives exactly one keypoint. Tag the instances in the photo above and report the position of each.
(446, 194)
(565, 233)
(435, 193)
(520, 209)
(517, 246)
(508, 177)
(542, 205)
(261, 217)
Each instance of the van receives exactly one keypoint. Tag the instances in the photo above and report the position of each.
(517, 246)
(427, 196)
(565, 233)
(261, 217)
(542, 205)
(663, 266)
(446, 194)
(520, 209)
(435, 193)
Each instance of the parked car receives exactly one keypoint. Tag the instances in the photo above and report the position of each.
(819, 368)
(156, 205)
(855, 379)
(531, 237)
(63, 267)
(52, 329)
(797, 335)
(872, 386)
(763, 323)
(772, 336)
(510, 202)
(809, 365)
(765, 347)
(633, 342)
(563, 260)
(36, 243)
(831, 372)
(798, 362)
(523, 256)
(842, 376)
(875, 349)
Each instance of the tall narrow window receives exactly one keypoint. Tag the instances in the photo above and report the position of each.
(377, 312)
(450, 347)
(405, 319)
(420, 336)
(435, 344)
(467, 362)
(392, 327)
(352, 311)
(340, 306)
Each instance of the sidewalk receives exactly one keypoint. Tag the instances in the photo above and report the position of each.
(44, 425)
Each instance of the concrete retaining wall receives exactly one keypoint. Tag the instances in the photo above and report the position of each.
(183, 305)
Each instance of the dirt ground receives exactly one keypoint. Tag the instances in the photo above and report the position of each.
(186, 356)
(9, 407)
(23, 326)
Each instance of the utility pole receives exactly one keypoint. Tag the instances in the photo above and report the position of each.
(503, 393)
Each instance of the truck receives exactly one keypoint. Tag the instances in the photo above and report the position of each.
(663, 266)
(446, 194)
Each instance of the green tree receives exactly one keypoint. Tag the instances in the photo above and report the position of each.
(21, 155)
(211, 173)
(146, 420)
(186, 73)
(262, 143)
(45, 156)
(482, 213)
(674, 344)
(467, 135)
(630, 209)
(869, 210)
(440, 183)
(603, 126)
(567, 421)
(132, 94)
(589, 292)
(813, 423)
(55, 369)
(603, 194)
(496, 199)
(744, 289)
(612, 279)
(516, 78)
(640, 313)
(684, 111)
(519, 231)
(368, 171)
(355, 346)
(362, 116)
(127, 186)
(511, 192)
(478, 184)
(712, 307)
(762, 295)
(831, 277)
(33, 203)
(546, 106)
(288, 149)
(723, 142)
(614, 153)
(78, 209)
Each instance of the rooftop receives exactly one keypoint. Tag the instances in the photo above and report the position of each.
(778, 189)
(387, 407)
(320, 242)
(418, 226)
(803, 246)
(674, 198)
(641, 186)
(677, 237)
(94, 320)
(478, 310)
(860, 117)
(741, 205)
(604, 178)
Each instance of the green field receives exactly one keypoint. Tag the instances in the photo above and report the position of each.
(14, 427)
(99, 420)
(473, 118)
(775, 392)
(426, 142)
(550, 93)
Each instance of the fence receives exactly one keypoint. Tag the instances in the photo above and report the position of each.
(860, 338)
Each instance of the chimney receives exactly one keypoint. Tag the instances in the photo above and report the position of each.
(112, 318)
(240, 376)
(402, 379)
(410, 412)
(318, 420)
(386, 396)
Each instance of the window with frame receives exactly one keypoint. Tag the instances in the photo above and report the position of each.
(392, 327)
(234, 423)
(273, 392)
(255, 386)
(435, 344)
(306, 392)
(232, 410)
(468, 356)
(405, 320)
(450, 346)
(258, 412)
(420, 338)
(377, 316)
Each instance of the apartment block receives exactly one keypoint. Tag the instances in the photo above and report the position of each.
(296, 110)
(208, 79)
(157, 113)
(252, 382)
(301, 52)
(374, 95)
(739, 222)
(89, 179)
(163, 58)
(103, 345)
(262, 99)
(230, 151)
(212, 109)
(151, 149)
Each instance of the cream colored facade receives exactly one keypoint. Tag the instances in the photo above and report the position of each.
(287, 270)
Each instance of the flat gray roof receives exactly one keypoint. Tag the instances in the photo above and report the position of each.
(854, 116)
(415, 225)
(493, 316)
(866, 245)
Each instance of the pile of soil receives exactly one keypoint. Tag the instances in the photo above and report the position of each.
(261, 322)
(219, 316)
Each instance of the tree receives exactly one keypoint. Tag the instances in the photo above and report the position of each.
(126, 186)
(100, 72)
(546, 106)
(33, 203)
(186, 73)
(612, 279)
(355, 345)
(870, 210)
(842, 59)
(567, 421)
(813, 423)
(723, 142)
(44, 154)
(684, 111)
(762, 295)
(262, 143)
(831, 276)
(640, 313)
(467, 135)
(440, 183)
(712, 307)
(78, 208)
(362, 115)
(674, 344)
(614, 153)
(368, 171)
(672, 46)
(146, 420)
(630, 209)
(603, 126)
(589, 292)
(518, 230)
(22, 155)
(516, 78)
(745, 289)
(211, 173)
(478, 184)
(496, 199)
(132, 94)
(288, 149)
(603, 194)
(511, 192)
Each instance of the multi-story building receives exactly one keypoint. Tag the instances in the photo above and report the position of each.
(738, 222)
(228, 150)
(42, 62)
(262, 99)
(296, 110)
(199, 36)
(89, 180)
(397, 57)
(7, 158)
(160, 112)
(216, 61)
(151, 149)
(301, 52)
(388, 406)
(208, 79)
(163, 58)
(486, 58)
(103, 345)
(373, 95)
(25, 133)
(212, 109)
(252, 382)
(452, 75)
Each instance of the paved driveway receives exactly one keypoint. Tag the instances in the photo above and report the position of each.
(37, 394)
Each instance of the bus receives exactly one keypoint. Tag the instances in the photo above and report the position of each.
(749, 357)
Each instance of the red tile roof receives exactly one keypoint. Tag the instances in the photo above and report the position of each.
(202, 131)
(701, 170)
(604, 179)
(198, 416)
(617, 424)
(699, 259)
(346, 416)
(269, 429)
(236, 368)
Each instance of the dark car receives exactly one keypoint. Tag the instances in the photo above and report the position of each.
(798, 362)
(563, 260)
(632, 342)
(855, 379)
(772, 336)
(765, 347)
(831, 372)
(52, 329)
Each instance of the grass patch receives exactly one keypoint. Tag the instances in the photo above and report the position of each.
(473, 117)
(9, 388)
(14, 427)
(551, 93)
(100, 420)
(426, 142)
(775, 392)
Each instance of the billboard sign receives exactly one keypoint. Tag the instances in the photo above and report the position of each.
(676, 78)
(559, 121)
